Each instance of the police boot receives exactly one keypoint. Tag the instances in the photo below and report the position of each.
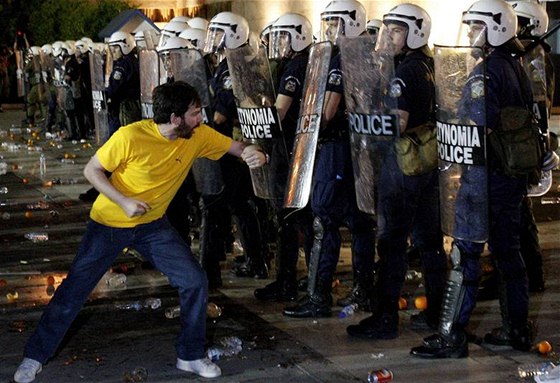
(361, 294)
(284, 288)
(382, 324)
(438, 346)
(315, 305)
(522, 337)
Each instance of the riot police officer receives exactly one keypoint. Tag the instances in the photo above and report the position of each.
(492, 26)
(532, 23)
(407, 204)
(334, 197)
(228, 30)
(290, 37)
(123, 92)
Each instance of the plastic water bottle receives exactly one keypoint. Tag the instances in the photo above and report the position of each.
(116, 280)
(152, 303)
(172, 312)
(136, 305)
(42, 165)
(543, 370)
(348, 310)
(214, 353)
(37, 237)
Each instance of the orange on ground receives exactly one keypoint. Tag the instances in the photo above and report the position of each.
(403, 304)
(421, 303)
(544, 347)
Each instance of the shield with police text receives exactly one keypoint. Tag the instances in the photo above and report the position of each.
(461, 135)
(254, 93)
(189, 66)
(149, 78)
(368, 76)
(98, 96)
(534, 63)
(298, 188)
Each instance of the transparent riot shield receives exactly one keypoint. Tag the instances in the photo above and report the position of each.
(535, 67)
(373, 124)
(461, 135)
(255, 97)
(98, 96)
(20, 78)
(300, 175)
(188, 65)
(149, 78)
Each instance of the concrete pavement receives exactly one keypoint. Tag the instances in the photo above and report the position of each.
(107, 344)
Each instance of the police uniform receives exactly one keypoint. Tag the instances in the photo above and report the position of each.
(334, 204)
(290, 223)
(235, 197)
(123, 93)
(409, 205)
(73, 77)
(506, 86)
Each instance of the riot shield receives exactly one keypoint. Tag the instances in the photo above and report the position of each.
(188, 65)
(300, 175)
(535, 67)
(461, 135)
(255, 97)
(20, 78)
(373, 125)
(98, 97)
(149, 79)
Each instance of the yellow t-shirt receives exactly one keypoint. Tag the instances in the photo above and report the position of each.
(149, 167)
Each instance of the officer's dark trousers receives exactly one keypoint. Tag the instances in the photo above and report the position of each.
(505, 197)
(334, 203)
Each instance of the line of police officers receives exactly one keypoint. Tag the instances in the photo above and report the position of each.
(328, 115)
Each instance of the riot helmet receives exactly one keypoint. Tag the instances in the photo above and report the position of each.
(172, 29)
(174, 43)
(180, 19)
(34, 50)
(196, 37)
(226, 30)
(82, 47)
(343, 18)
(532, 19)
(199, 23)
(373, 26)
(416, 21)
(290, 33)
(491, 22)
(124, 40)
(46, 49)
(60, 49)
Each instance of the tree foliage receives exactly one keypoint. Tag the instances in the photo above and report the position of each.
(46, 21)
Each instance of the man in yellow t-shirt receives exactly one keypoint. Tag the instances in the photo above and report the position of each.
(148, 160)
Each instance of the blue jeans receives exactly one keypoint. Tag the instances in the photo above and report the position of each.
(159, 243)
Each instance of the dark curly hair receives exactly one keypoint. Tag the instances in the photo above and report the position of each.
(173, 98)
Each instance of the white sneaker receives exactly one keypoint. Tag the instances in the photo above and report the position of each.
(203, 367)
(27, 370)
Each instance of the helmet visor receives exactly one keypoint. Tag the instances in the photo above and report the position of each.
(472, 34)
(279, 46)
(332, 28)
(215, 40)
